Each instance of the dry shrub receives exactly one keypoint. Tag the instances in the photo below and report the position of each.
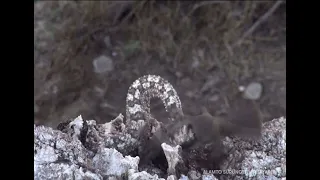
(170, 30)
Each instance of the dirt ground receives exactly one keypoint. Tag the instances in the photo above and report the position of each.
(206, 49)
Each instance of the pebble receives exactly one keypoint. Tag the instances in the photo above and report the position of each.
(107, 41)
(36, 108)
(253, 91)
(214, 98)
(102, 64)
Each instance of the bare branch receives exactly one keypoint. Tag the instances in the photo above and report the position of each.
(258, 22)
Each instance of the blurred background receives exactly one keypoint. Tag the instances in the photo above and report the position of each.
(87, 54)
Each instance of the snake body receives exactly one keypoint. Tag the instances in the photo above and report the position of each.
(143, 90)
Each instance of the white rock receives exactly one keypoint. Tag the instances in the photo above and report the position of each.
(209, 177)
(194, 174)
(253, 91)
(241, 88)
(183, 177)
(110, 162)
(134, 175)
(172, 156)
(102, 64)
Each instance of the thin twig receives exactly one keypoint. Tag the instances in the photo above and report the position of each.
(204, 3)
(258, 22)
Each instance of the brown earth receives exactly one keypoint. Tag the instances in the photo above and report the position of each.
(193, 44)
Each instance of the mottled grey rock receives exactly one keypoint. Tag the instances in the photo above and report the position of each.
(86, 150)
(60, 156)
(183, 177)
(112, 134)
(79, 150)
(63, 171)
(262, 159)
(110, 162)
(183, 135)
(209, 177)
(172, 156)
(142, 176)
(194, 174)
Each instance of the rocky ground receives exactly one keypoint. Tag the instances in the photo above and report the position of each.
(84, 149)
(87, 53)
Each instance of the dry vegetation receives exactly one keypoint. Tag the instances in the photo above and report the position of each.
(205, 48)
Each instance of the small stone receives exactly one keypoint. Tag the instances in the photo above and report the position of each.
(172, 156)
(271, 178)
(186, 82)
(241, 88)
(194, 174)
(171, 177)
(278, 169)
(195, 63)
(214, 98)
(36, 108)
(55, 89)
(197, 57)
(99, 92)
(112, 178)
(209, 177)
(189, 94)
(183, 177)
(274, 172)
(102, 64)
(179, 74)
(253, 91)
(107, 41)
